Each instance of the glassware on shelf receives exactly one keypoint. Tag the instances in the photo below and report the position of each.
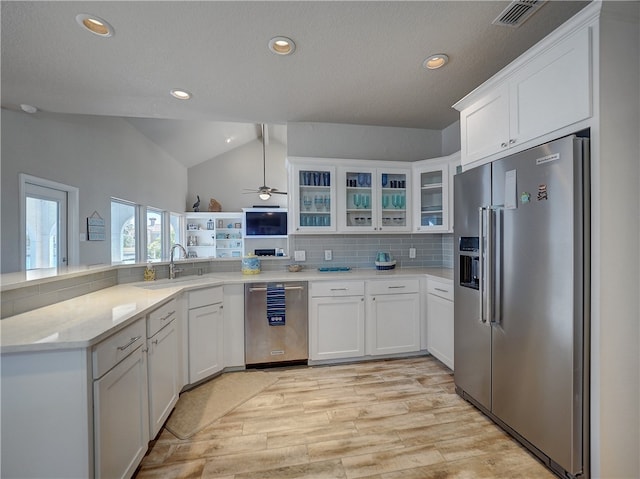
(327, 202)
(385, 180)
(385, 201)
(325, 179)
(357, 199)
(366, 202)
(318, 201)
(306, 202)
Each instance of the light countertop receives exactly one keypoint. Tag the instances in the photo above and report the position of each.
(86, 320)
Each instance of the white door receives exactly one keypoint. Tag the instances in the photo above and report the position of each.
(46, 235)
(163, 366)
(121, 417)
(336, 327)
(205, 342)
(393, 323)
(48, 224)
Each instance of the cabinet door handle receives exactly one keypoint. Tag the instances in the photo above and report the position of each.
(133, 340)
(512, 141)
(397, 287)
(339, 289)
(503, 144)
(171, 313)
(441, 290)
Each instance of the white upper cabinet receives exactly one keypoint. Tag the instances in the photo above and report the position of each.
(312, 197)
(374, 199)
(544, 91)
(484, 126)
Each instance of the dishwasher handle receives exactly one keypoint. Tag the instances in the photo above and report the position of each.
(260, 289)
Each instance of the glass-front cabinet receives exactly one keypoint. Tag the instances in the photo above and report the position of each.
(312, 199)
(433, 198)
(374, 199)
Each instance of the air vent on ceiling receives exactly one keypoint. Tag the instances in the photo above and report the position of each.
(518, 12)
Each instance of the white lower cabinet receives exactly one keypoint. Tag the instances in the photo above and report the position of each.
(336, 320)
(120, 402)
(163, 371)
(205, 333)
(393, 316)
(233, 328)
(440, 320)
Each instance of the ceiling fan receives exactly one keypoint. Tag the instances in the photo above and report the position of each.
(264, 191)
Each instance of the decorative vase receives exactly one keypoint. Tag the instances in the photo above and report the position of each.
(250, 264)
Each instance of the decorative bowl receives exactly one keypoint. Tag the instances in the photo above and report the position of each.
(385, 265)
(294, 268)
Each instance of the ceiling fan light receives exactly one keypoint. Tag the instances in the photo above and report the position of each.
(264, 196)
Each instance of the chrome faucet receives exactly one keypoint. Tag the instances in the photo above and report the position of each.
(172, 267)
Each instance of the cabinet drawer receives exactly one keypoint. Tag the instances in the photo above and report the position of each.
(160, 317)
(442, 289)
(336, 288)
(205, 297)
(393, 286)
(114, 349)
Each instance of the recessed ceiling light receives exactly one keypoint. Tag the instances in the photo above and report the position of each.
(95, 25)
(282, 45)
(435, 61)
(227, 139)
(180, 94)
(28, 108)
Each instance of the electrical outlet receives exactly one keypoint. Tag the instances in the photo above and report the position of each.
(299, 255)
(412, 253)
(327, 255)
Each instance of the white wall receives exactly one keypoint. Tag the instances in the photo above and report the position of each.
(331, 140)
(451, 139)
(225, 177)
(101, 156)
(615, 353)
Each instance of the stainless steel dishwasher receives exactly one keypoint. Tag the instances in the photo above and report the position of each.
(276, 323)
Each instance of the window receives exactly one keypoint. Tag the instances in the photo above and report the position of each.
(155, 246)
(175, 228)
(49, 223)
(142, 233)
(124, 246)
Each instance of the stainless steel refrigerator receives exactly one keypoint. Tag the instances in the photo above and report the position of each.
(521, 330)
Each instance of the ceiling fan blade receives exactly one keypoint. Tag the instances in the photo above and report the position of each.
(278, 192)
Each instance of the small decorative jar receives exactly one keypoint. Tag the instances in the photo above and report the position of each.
(250, 264)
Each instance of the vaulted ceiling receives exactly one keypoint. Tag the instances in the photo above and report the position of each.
(355, 62)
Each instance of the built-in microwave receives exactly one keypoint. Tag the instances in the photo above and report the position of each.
(264, 222)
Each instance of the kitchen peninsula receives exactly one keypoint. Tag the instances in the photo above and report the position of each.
(59, 364)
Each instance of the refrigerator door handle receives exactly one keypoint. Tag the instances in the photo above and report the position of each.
(489, 267)
(481, 264)
(486, 268)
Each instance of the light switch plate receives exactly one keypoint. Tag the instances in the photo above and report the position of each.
(412, 253)
(327, 255)
(299, 255)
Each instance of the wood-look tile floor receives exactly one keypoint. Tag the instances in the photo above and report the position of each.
(386, 419)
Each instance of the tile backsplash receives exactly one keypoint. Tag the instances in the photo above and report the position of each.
(359, 251)
(356, 251)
